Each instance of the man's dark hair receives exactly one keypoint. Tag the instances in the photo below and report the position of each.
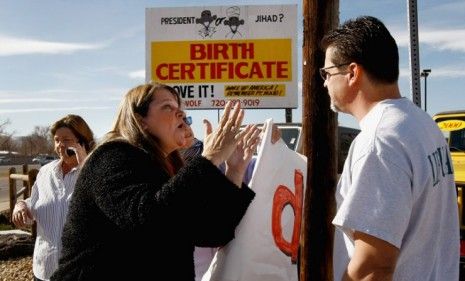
(366, 41)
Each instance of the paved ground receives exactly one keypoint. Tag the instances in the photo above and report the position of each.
(4, 194)
(4, 188)
(4, 205)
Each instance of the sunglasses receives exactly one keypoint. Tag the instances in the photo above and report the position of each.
(325, 74)
(187, 120)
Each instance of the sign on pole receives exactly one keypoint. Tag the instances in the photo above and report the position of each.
(214, 54)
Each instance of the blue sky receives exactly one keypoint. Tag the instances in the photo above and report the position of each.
(63, 56)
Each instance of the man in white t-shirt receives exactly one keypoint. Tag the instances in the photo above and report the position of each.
(397, 216)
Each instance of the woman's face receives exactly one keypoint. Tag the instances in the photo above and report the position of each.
(164, 121)
(63, 139)
(189, 135)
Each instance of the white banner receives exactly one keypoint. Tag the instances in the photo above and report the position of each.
(211, 55)
(267, 239)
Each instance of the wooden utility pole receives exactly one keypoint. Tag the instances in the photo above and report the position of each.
(319, 131)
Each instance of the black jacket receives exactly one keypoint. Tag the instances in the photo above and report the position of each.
(128, 220)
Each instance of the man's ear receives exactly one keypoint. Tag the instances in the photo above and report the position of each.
(355, 72)
(354, 69)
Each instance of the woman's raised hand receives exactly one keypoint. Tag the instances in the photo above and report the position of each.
(237, 163)
(81, 154)
(220, 143)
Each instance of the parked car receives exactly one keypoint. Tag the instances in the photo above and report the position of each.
(291, 133)
(4, 160)
(43, 159)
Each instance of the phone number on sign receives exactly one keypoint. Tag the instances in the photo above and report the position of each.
(243, 102)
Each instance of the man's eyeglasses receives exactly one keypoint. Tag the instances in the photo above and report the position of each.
(187, 120)
(325, 74)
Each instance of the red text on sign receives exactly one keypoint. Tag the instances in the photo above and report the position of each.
(223, 70)
(282, 197)
(225, 51)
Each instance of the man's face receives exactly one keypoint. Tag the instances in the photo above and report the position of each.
(336, 82)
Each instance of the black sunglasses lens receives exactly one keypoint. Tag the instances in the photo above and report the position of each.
(187, 120)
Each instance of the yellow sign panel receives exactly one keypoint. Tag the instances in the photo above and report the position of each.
(255, 60)
(451, 125)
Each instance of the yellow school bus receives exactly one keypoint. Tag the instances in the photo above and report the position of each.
(452, 124)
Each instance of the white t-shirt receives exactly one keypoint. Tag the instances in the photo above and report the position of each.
(398, 185)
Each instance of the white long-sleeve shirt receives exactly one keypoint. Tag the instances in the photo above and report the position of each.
(48, 203)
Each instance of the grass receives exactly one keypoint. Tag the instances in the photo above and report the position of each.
(6, 227)
(5, 221)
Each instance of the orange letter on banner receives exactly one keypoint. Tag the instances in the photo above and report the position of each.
(282, 197)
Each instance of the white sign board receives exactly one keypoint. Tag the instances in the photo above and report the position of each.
(247, 54)
(266, 243)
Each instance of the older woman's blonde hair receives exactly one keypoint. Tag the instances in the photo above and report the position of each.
(128, 127)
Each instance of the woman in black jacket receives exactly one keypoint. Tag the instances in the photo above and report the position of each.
(136, 212)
